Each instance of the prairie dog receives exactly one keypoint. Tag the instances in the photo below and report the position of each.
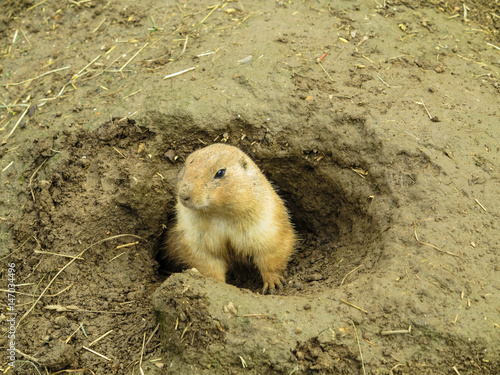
(226, 211)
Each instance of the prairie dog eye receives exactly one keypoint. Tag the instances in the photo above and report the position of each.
(220, 173)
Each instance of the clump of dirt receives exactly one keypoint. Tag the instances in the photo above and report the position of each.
(375, 122)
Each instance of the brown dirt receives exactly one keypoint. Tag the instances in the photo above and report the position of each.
(387, 154)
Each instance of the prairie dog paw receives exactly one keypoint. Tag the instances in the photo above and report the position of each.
(271, 282)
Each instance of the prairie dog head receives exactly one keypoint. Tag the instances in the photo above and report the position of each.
(217, 179)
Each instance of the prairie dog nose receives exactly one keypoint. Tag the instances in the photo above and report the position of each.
(185, 191)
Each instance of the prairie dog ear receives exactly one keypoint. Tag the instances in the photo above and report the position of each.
(244, 163)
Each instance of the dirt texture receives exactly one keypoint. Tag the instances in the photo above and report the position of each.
(377, 121)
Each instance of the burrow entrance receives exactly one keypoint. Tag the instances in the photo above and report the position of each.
(121, 178)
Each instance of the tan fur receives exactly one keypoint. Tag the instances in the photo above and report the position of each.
(236, 217)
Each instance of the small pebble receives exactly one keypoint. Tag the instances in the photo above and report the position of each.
(61, 321)
(314, 277)
(246, 60)
(32, 110)
(170, 154)
(230, 308)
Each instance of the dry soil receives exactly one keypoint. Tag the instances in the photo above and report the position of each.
(378, 122)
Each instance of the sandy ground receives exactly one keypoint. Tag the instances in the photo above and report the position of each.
(378, 122)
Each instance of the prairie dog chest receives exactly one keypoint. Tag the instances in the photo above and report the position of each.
(220, 234)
